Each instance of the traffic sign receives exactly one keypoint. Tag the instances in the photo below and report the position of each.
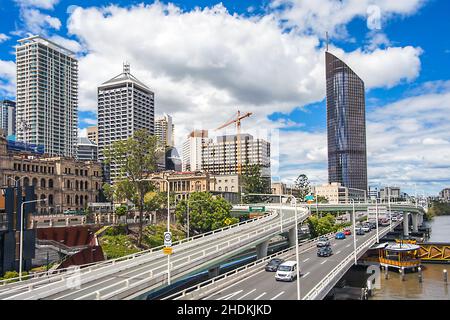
(167, 250)
(309, 198)
(228, 221)
(257, 208)
(167, 239)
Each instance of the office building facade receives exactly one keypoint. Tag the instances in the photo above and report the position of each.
(164, 131)
(125, 105)
(8, 117)
(47, 96)
(86, 150)
(346, 125)
(92, 134)
(192, 150)
(221, 156)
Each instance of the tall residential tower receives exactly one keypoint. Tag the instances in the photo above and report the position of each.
(125, 105)
(346, 125)
(47, 96)
(8, 117)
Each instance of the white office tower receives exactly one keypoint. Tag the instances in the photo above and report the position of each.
(86, 149)
(8, 117)
(164, 131)
(192, 150)
(125, 105)
(47, 96)
(221, 157)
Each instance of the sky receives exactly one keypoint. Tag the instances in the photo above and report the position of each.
(205, 60)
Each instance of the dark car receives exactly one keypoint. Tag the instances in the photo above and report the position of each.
(324, 252)
(360, 232)
(273, 264)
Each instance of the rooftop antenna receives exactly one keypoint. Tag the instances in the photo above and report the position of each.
(126, 67)
(327, 42)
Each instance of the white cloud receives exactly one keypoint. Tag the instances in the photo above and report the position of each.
(3, 37)
(89, 121)
(37, 22)
(42, 4)
(7, 78)
(69, 44)
(320, 16)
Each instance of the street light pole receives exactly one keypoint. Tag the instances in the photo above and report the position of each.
(354, 229)
(376, 217)
(21, 234)
(296, 250)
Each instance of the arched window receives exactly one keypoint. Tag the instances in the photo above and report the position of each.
(50, 199)
(76, 199)
(43, 183)
(226, 188)
(68, 199)
(50, 183)
(68, 184)
(26, 182)
(34, 182)
(76, 184)
(81, 200)
(86, 185)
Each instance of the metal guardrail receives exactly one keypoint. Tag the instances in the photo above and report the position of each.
(248, 269)
(341, 268)
(182, 261)
(134, 255)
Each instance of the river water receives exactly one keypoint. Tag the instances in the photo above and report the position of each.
(433, 286)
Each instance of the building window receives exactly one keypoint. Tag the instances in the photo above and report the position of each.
(68, 199)
(50, 183)
(42, 183)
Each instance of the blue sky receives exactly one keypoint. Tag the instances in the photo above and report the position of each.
(204, 59)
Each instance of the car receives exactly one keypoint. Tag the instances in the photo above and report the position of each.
(287, 271)
(273, 264)
(394, 218)
(365, 228)
(323, 242)
(339, 235)
(360, 232)
(324, 252)
(373, 224)
(347, 232)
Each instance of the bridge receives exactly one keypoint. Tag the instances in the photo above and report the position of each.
(133, 275)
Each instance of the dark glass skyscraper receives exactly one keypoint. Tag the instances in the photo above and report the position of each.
(346, 125)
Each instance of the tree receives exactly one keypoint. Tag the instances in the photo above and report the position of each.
(321, 199)
(206, 213)
(108, 191)
(303, 187)
(121, 211)
(253, 182)
(135, 158)
(154, 234)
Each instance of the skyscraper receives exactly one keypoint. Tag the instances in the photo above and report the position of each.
(86, 149)
(346, 125)
(8, 117)
(164, 130)
(47, 96)
(125, 105)
(192, 150)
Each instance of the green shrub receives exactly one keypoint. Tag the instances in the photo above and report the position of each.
(117, 246)
(116, 230)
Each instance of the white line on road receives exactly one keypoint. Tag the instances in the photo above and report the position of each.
(347, 245)
(306, 260)
(335, 244)
(338, 252)
(242, 297)
(306, 274)
(277, 295)
(228, 296)
(323, 261)
(260, 296)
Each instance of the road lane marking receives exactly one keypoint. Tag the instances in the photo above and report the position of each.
(242, 297)
(335, 244)
(306, 260)
(323, 261)
(338, 252)
(347, 245)
(277, 295)
(260, 296)
(306, 274)
(228, 296)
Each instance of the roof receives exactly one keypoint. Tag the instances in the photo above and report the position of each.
(85, 141)
(124, 77)
(402, 247)
(289, 263)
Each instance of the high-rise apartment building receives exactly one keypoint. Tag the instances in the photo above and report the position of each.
(92, 134)
(8, 117)
(47, 96)
(164, 131)
(125, 105)
(86, 150)
(346, 125)
(221, 157)
(192, 150)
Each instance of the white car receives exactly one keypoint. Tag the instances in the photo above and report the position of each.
(287, 271)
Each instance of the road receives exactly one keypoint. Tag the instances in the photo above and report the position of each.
(261, 285)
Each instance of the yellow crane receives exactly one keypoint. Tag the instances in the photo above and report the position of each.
(237, 119)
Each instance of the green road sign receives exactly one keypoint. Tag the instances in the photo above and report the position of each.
(309, 198)
(257, 209)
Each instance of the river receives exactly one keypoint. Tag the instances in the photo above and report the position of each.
(433, 286)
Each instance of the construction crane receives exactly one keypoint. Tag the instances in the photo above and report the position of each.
(237, 119)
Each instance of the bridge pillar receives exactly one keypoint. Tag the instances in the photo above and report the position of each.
(261, 249)
(213, 272)
(291, 237)
(67, 221)
(415, 222)
(405, 224)
(50, 224)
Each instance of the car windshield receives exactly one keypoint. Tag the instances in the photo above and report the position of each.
(284, 268)
(274, 262)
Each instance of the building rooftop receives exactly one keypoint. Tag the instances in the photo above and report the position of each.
(51, 44)
(125, 77)
(85, 141)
